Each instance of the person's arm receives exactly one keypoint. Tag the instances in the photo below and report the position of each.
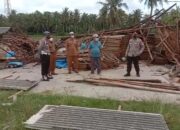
(142, 47)
(127, 50)
(100, 46)
(89, 49)
(41, 42)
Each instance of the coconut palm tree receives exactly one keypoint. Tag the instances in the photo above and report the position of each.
(153, 3)
(137, 14)
(110, 10)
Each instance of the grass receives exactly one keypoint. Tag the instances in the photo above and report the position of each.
(38, 37)
(29, 104)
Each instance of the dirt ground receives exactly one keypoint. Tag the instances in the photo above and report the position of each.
(58, 85)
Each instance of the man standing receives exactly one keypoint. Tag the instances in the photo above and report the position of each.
(134, 50)
(72, 53)
(95, 54)
(44, 52)
(52, 48)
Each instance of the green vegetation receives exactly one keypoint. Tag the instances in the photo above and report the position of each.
(112, 11)
(113, 14)
(38, 37)
(153, 3)
(29, 104)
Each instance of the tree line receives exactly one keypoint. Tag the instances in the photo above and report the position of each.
(112, 15)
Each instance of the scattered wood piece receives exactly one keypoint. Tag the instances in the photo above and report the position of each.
(119, 108)
(14, 72)
(16, 94)
(17, 77)
(7, 77)
(6, 127)
(125, 85)
(139, 80)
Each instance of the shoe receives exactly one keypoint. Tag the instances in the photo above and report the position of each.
(43, 79)
(49, 77)
(92, 72)
(76, 72)
(127, 75)
(138, 75)
(69, 73)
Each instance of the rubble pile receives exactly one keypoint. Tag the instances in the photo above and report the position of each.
(108, 61)
(22, 45)
(161, 41)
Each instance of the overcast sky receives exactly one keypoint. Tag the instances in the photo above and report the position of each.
(88, 6)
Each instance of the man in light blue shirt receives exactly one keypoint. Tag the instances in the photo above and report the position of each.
(95, 54)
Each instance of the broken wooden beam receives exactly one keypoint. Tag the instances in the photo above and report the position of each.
(7, 76)
(123, 85)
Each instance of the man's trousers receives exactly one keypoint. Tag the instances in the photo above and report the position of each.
(95, 64)
(45, 62)
(72, 63)
(135, 61)
(52, 63)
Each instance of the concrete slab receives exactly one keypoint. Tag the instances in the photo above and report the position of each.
(58, 85)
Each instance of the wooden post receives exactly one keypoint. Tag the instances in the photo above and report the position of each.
(146, 44)
(166, 46)
(178, 44)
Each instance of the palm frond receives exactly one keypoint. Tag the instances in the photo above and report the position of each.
(123, 5)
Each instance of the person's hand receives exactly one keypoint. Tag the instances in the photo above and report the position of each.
(102, 58)
(124, 59)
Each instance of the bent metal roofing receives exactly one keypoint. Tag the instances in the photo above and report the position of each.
(78, 118)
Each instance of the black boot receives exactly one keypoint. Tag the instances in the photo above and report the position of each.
(138, 75)
(127, 75)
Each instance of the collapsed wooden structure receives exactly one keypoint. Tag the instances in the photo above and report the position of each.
(14, 40)
(161, 41)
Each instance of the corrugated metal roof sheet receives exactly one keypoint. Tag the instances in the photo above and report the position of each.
(11, 84)
(77, 118)
(4, 30)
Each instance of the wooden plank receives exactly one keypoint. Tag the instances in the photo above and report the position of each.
(16, 94)
(147, 46)
(124, 85)
(146, 84)
(7, 77)
(168, 49)
(140, 80)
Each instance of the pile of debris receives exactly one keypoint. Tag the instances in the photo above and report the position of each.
(161, 41)
(21, 44)
(108, 61)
